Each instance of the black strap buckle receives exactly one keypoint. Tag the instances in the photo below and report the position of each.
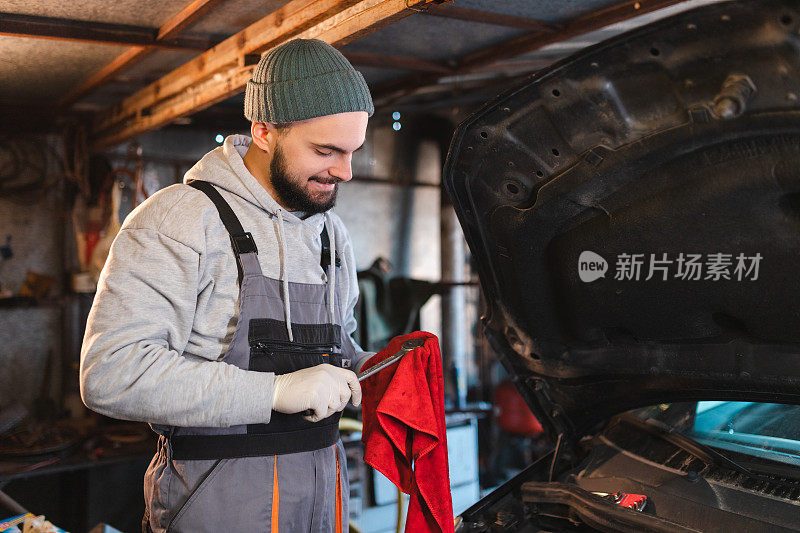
(243, 243)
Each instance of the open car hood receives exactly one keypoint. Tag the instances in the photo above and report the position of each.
(634, 214)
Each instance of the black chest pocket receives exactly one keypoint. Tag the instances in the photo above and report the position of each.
(314, 344)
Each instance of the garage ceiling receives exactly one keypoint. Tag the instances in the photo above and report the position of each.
(138, 65)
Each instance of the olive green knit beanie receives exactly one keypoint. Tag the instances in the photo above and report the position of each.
(302, 79)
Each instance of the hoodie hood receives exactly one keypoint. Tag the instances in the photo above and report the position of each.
(224, 167)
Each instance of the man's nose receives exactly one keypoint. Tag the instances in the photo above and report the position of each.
(343, 168)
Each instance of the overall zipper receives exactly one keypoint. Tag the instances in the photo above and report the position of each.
(304, 348)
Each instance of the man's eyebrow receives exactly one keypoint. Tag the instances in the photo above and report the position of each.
(336, 148)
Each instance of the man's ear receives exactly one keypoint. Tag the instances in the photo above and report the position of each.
(264, 135)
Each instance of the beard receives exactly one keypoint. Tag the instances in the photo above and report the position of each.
(292, 193)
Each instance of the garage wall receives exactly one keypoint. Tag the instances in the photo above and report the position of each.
(33, 220)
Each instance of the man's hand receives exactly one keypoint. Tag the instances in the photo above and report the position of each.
(325, 389)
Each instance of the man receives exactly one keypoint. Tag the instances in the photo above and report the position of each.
(224, 313)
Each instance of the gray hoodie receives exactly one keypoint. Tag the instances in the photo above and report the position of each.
(167, 300)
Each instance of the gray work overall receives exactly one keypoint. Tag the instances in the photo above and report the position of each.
(288, 475)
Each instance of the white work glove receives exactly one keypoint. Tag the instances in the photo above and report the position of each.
(325, 389)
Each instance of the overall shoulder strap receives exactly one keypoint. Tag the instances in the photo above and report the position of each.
(241, 241)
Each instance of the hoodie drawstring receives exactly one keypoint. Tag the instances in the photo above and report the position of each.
(284, 278)
(332, 277)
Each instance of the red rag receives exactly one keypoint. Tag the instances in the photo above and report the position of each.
(404, 431)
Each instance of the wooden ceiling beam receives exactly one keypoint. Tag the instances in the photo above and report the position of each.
(185, 17)
(489, 17)
(527, 43)
(188, 15)
(396, 62)
(94, 32)
(196, 99)
(225, 69)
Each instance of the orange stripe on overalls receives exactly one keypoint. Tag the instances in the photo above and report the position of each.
(275, 497)
(338, 493)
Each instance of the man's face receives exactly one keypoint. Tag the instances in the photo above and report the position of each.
(312, 157)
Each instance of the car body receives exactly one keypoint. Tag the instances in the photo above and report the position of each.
(634, 215)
